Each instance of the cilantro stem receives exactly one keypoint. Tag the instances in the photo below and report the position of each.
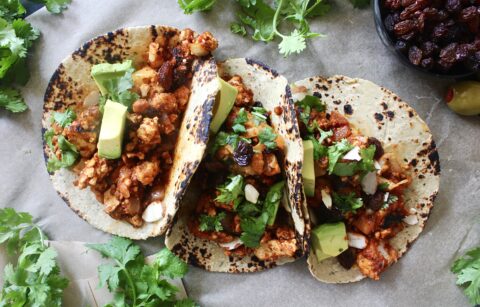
(129, 280)
(275, 18)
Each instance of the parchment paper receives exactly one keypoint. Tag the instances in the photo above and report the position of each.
(421, 278)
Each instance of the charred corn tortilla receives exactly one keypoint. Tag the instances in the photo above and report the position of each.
(377, 112)
(272, 91)
(71, 83)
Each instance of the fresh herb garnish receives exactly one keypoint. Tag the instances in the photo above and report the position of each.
(211, 223)
(239, 121)
(267, 137)
(231, 191)
(365, 165)
(263, 20)
(35, 280)
(253, 229)
(64, 119)
(17, 37)
(272, 201)
(467, 269)
(347, 202)
(69, 152)
(336, 151)
(224, 138)
(135, 283)
(305, 106)
(383, 186)
(319, 150)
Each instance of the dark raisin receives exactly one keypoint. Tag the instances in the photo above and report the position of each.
(392, 219)
(439, 31)
(347, 258)
(427, 63)
(462, 52)
(389, 23)
(444, 65)
(411, 9)
(404, 27)
(448, 54)
(430, 13)
(453, 6)
(393, 4)
(243, 153)
(180, 75)
(165, 74)
(375, 201)
(401, 46)
(415, 55)
(468, 14)
(429, 48)
(378, 147)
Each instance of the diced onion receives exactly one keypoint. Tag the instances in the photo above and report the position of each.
(381, 249)
(353, 155)
(356, 240)
(232, 245)
(298, 96)
(385, 198)
(153, 212)
(369, 183)
(92, 98)
(251, 194)
(411, 220)
(327, 199)
(412, 210)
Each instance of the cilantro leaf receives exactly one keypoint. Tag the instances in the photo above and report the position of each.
(12, 100)
(305, 106)
(134, 282)
(231, 191)
(320, 150)
(190, 6)
(55, 6)
(268, 137)
(35, 280)
(69, 153)
(253, 229)
(272, 201)
(347, 202)
(211, 223)
(64, 119)
(238, 28)
(467, 269)
(293, 43)
(335, 151)
(383, 186)
(169, 265)
(11, 9)
(239, 121)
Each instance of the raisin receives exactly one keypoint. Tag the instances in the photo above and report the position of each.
(468, 14)
(243, 153)
(430, 13)
(415, 55)
(462, 52)
(165, 74)
(427, 63)
(347, 258)
(375, 201)
(448, 54)
(429, 48)
(453, 6)
(389, 22)
(404, 27)
(439, 31)
(378, 147)
(393, 4)
(401, 46)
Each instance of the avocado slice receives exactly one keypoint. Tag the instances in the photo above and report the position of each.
(112, 130)
(308, 171)
(104, 72)
(272, 201)
(223, 104)
(329, 240)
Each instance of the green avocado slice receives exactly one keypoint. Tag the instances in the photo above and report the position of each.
(329, 240)
(112, 130)
(223, 104)
(308, 171)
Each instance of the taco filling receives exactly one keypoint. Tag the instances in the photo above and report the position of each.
(242, 185)
(120, 141)
(354, 190)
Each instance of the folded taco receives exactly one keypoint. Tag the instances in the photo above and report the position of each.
(120, 114)
(243, 211)
(371, 174)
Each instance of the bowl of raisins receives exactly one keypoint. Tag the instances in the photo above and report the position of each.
(438, 37)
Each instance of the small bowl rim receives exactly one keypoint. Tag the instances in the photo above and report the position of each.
(389, 43)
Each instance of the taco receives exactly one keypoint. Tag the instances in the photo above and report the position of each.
(371, 173)
(119, 115)
(243, 210)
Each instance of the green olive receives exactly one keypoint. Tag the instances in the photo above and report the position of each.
(464, 98)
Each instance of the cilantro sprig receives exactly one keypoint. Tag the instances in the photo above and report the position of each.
(267, 137)
(347, 202)
(467, 269)
(35, 280)
(231, 191)
(17, 37)
(211, 223)
(135, 283)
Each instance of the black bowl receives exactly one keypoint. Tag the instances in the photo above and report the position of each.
(388, 41)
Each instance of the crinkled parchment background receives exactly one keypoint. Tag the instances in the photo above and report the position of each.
(421, 278)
